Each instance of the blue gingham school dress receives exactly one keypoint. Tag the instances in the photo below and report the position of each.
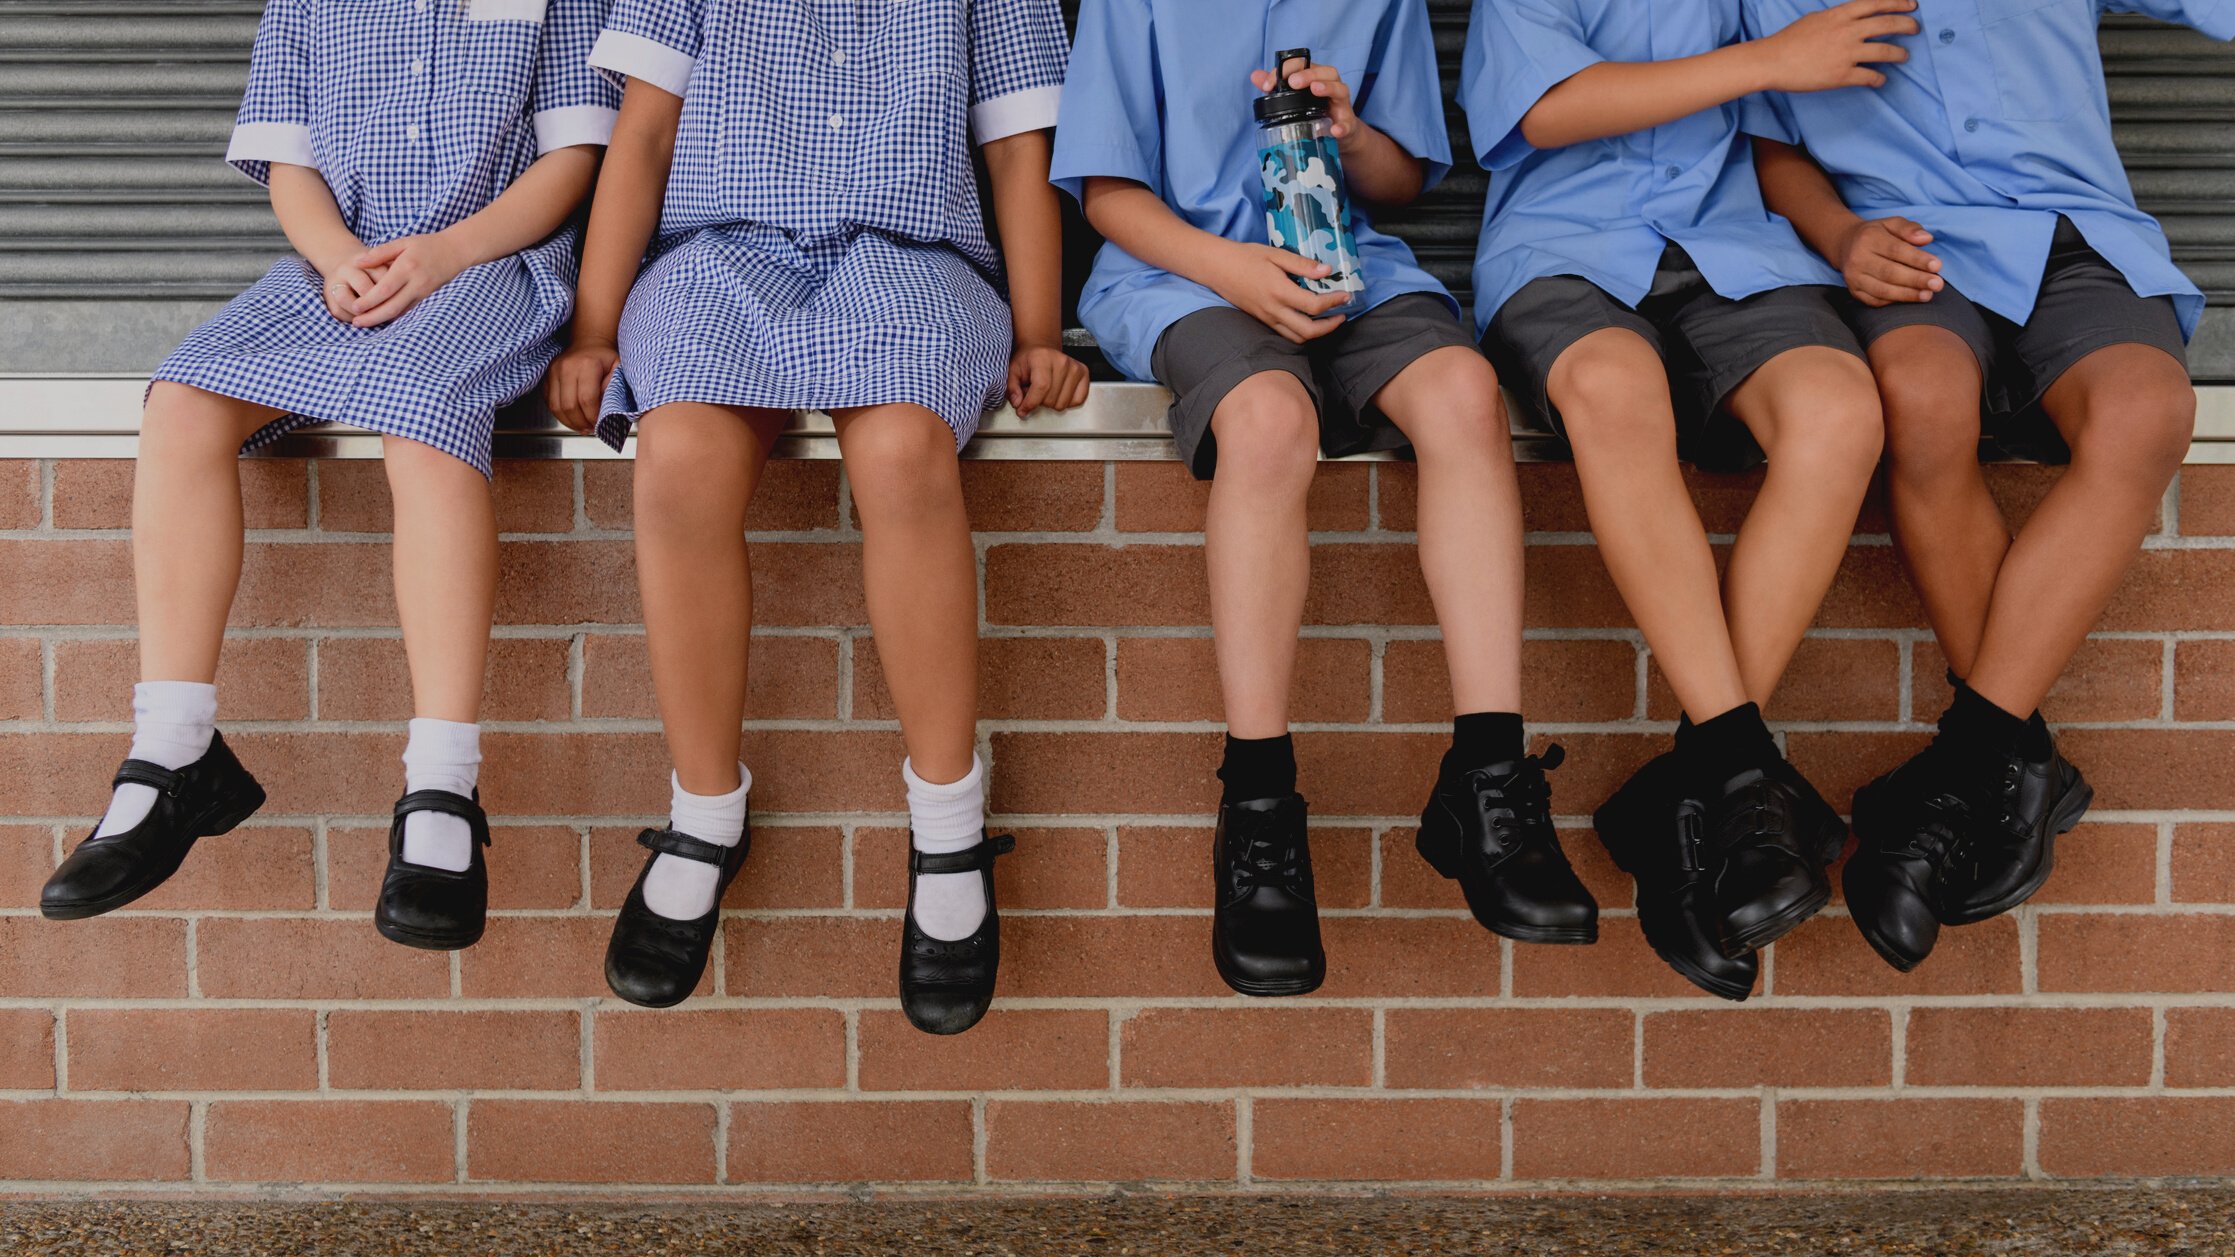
(821, 244)
(418, 113)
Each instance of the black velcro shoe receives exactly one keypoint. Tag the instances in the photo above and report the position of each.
(657, 961)
(1490, 829)
(1767, 846)
(429, 908)
(1914, 833)
(2016, 820)
(1658, 837)
(202, 800)
(947, 986)
(1265, 928)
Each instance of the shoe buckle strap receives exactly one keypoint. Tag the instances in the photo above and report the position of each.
(683, 846)
(969, 860)
(458, 805)
(140, 772)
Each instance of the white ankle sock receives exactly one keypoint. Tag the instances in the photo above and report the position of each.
(442, 755)
(951, 817)
(171, 725)
(684, 890)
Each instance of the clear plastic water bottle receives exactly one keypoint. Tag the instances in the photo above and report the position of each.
(1307, 208)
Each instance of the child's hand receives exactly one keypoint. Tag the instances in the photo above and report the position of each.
(1835, 47)
(343, 286)
(1325, 81)
(1884, 264)
(575, 385)
(1044, 375)
(416, 266)
(1260, 281)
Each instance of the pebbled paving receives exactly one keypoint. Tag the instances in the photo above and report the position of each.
(2160, 1222)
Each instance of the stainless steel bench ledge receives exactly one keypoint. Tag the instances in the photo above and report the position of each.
(98, 416)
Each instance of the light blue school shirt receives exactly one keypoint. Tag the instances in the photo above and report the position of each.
(1605, 210)
(1997, 124)
(1159, 93)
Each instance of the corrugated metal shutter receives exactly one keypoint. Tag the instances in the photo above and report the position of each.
(118, 227)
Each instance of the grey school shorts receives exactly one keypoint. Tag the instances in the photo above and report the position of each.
(1202, 357)
(1710, 342)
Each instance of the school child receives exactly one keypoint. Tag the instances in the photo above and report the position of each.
(801, 174)
(422, 160)
(1983, 225)
(1159, 143)
(1635, 294)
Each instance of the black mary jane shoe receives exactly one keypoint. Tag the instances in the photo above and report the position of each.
(1490, 830)
(946, 987)
(657, 961)
(1265, 928)
(1657, 836)
(429, 908)
(202, 800)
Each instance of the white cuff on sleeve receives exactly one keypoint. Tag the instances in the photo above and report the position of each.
(572, 125)
(270, 141)
(1032, 109)
(633, 56)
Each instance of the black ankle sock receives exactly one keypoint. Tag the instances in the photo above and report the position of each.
(1485, 737)
(1972, 723)
(1258, 768)
(1720, 748)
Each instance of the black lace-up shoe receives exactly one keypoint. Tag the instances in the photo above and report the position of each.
(202, 800)
(1767, 848)
(657, 961)
(947, 986)
(2017, 815)
(1658, 837)
(430, 908)
(1490, 829)
(1914, 832)
(1265, 933)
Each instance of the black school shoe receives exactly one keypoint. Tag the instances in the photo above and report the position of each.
(2016, 818)
(657, 961)
(1769, 838)
(429, 908)
(1490, 830)
(1265, 928)
(1914, 834)
(202, 800)
(1658, 837)
(947, 986)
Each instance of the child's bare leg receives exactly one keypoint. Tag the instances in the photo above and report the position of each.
(1950, 532)
(1815, 413)
(1612, 392)
(2128, 412)
(186, 526)
(1257, 547)
(1447, 405)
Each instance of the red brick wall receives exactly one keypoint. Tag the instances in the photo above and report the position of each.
(246, 1026)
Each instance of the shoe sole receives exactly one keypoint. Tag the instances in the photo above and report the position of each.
(426, 940)
(1269, 990)
(625, 997)
(2063, 819)
(215, 828)
(1705, 981)
(1437, 852)
(1776, 927)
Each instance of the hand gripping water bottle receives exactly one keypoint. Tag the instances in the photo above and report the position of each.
(1307, 209)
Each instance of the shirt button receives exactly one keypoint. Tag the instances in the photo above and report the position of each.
(1673, 171)
(412, 132)
(1970, 124)
(838, 57)
(421, 6)
(418, 66)
(1947, 36)
(836, 122)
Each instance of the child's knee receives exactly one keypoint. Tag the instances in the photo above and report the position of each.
(181, 420)
(1838, 442)
(1467, 420)
(1268, 432)
(902, 459)
(2145, 429)
(412, 464)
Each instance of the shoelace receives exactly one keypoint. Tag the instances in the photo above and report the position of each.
(1523, 804)
(1943, 835)
(1270, 856)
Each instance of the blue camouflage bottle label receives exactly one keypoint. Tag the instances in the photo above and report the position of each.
(1307, 210)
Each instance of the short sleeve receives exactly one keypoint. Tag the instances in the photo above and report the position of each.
(1111, 123)
(1517, 50)
(2213, 17)
(1017, 53)
(573, 103)
(1766, 114)
(1401, 94)
(656, 41)
(274, 121)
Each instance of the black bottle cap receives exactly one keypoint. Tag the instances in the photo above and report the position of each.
(1285, 103)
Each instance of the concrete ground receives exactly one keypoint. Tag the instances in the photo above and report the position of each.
(2096, 1222)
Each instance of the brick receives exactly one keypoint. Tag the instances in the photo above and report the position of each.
(1870, 591)
(790, 866)
(1565, 680)
(1166, 497)
(1011, 1050)
(1408, 1140)
(1176, 678)
(1253, 1047)
(2019, 487)
(2138, 1136)
(1838, 764)
(1096, 772)
(1407, 881)
(22, 679)
(19, 493)
(1827, 956)
(283, 958)
(1773, 1047)
(2204, 680)
(2207, 501)
(626, 774)
(2200, 1047)
(2204, 863)
(97, 493)
(1471, 1048)
(534, 495)
(817, 958)
(2106, 952)
(1170, 866)
(539, 957)
(2109, 679)
(2104, 863)
(1636, 1138)
(725, 1049)
(786, 678)
(858, 1141)
(330, 774)
(555, 1141)
(256, 867)
(1373, 584)
(530, 866)
(1035, 496)
(1126, 1141)
(2029, 1047)
(1050, 868)
(262, 678)
(67, 582)
(1098, 957)
(107, 957)
(1551, 497)
(1900, 1139)
(26, 1049)
(93, 1140)
(2175, 589)
(328, 1141)
(183, 1049)
(567, 582)
(794, 495)
(1408, 956)
(1830, 678)
(1019, 678)
(1090, 585)
(1619, 964)
(326, 584)
(26, 858)
(429, 1050)
(366, 678)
